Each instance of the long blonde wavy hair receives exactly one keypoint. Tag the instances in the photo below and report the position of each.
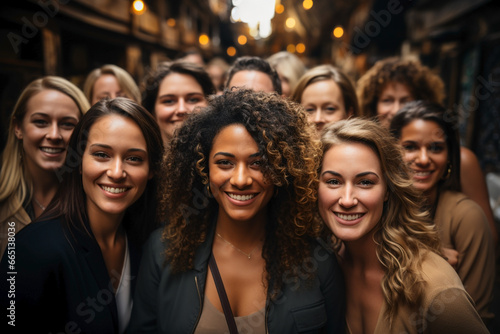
(405, 232)
(15, 188)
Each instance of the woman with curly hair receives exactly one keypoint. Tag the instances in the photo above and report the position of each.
(239, 200)
(391, 83)
(396, 281)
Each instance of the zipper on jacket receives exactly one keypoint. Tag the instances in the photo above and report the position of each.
(201, 306)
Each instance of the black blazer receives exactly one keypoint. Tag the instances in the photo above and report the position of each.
(59, 282)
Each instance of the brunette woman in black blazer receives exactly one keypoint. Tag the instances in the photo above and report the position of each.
(73, 270)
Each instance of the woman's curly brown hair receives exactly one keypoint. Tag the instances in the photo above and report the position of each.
(290, 158)
(422, 83)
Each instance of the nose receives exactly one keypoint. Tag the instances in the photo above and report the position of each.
(182, 107)
(115, 170)
(422, 157)
(241, 178)
(318, 116)
(54, 132)
(348, 198)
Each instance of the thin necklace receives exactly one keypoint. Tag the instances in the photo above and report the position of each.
(248, 255)
(39, 204)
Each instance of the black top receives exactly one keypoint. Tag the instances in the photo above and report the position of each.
(58, 282)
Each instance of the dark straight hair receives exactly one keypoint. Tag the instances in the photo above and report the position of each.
(70, 200)
(429, 111)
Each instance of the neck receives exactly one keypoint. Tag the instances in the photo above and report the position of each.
(362, 253)
(106, 228)
(431, 197)
(242, 233)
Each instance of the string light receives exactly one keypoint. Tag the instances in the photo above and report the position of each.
(138, 7)
(338, 32)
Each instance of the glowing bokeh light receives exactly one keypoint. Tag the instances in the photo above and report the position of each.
(338, 32)
(231, 51)
(242, 39)
(307, 4)
(204, 39)
(300, 48)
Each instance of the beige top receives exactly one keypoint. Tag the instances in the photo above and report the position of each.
(12, 224)
(446, 307)
(213, 321)
(463, 226)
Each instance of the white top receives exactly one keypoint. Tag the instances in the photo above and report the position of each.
(123, 295)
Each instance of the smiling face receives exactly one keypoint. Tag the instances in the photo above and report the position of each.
(45, 130)
(177, 96)
(324, 103)
(106, 86)
(115, 166)
(352, 191)
(426, 152)
(236, 179)
(393, 97)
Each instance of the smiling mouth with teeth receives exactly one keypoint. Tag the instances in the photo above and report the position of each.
(241, 197)
(114, 190)
(422, 173)
(349, 217)
(52, 150)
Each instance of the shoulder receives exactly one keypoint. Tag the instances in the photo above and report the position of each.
(438, 274)
(468, 159)
(457, 203)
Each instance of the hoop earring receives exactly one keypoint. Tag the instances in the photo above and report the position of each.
(448, 172)
(209, 192)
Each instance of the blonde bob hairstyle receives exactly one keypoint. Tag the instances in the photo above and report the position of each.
(329, 72)
(15, 189)
(404, 232)
(125, 80)
(288, 66)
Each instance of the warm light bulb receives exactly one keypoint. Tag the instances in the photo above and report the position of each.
(307, 4)
(204, 39)
(300, 48)
(242, 39)
(231, 51)
(171, 22)
(138, 6)
(290, 48)
(280, 9)
(338, 32)
(290, 22)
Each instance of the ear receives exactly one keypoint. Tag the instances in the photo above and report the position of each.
(18, 132)
(350, 112)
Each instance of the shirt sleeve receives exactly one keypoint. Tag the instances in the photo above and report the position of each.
(476, 256)
(452, 311)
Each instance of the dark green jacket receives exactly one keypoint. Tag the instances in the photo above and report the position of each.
(167, 303)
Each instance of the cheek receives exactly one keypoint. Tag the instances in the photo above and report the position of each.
(326, 198)
(164, 113)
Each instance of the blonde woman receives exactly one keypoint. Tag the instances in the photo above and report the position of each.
(110, 81)
(327, 94)
(290, 69)
(396, 281)
(40, 126)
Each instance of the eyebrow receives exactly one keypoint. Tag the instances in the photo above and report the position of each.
(46, 115)
(110, 148)
(357, 175)
(226, 154)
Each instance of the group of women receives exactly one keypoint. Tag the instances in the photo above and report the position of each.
(256, 213)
